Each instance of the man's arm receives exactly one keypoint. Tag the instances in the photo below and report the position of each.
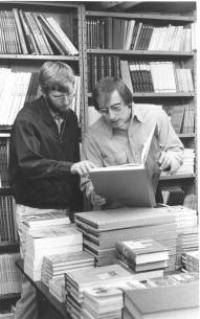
(172, 149)
(31, 161)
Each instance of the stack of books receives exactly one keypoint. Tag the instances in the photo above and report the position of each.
(101, 302)
(40, 220)
(187, 231)
(143, 255)
(55, 266)
(55, 240)
(188, 162)
(112, 276)
(181, 301)
(103, 229)
(10, 276)
(190, 260)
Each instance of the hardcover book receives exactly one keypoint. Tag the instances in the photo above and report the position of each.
(131, 184)
(164, 302)
(142, 251)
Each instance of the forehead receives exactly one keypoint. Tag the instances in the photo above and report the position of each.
(110, 99)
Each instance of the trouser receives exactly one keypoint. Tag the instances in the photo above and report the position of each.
(27, 306)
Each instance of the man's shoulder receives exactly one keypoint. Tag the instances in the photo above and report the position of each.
(149, 110)
(30, 110)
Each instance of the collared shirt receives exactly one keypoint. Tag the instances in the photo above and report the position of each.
(105, 146)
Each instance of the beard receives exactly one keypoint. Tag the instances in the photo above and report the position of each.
(55, 109)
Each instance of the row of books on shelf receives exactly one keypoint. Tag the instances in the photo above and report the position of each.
(141, 76)
(118, 33)
(4, 158)
(24, 32)
(148, 76)
(8, 234)
(21, 87)
(10, 276)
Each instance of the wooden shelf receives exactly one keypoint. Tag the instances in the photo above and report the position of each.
(140, 52)
(142, 16)
(38, 57)
(157, 95)
(186, 135)
(177, 177)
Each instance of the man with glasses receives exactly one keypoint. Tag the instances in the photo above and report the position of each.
(118, 136)
(44, 159)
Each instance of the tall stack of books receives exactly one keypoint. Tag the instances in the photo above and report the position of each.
(10, 276)
(190, 260)
(41, 220)
(187, 231)
(55, 266)
(143, 255)
(76, 282)
(103, 229)
(55, 240)
(101, 302)
(181, 301)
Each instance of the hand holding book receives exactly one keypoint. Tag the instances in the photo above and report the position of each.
(167, 161)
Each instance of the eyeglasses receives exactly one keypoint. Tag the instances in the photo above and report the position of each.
(105, 111)
(62, 93)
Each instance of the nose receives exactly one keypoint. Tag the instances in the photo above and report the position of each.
(111, 114)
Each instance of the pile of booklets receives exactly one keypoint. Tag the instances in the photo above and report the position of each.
(187, 231)
(103, 229)
(101, 302)
(77, 282)
(142, 255)
(40, 220)
(190, 260)
(55, 266)
(44, 242)
(166, 298)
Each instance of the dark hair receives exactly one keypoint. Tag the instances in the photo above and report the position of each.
(107, 85)
(55, 75)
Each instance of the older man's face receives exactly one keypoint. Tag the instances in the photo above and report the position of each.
(116, 112)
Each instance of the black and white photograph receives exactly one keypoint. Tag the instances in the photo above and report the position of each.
(99, 147)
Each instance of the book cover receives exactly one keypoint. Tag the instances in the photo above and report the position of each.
(131, 184)
(164, 302)
(142, 251)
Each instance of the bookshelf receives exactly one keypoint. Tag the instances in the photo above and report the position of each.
(111, 50)
(21, 57)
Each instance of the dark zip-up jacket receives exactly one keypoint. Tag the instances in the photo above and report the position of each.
(40, 159)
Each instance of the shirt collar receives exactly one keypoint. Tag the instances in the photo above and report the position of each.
(136, 113)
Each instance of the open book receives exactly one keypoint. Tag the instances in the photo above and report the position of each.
(131, 184)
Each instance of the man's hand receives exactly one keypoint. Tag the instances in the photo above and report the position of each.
(82, 168)
(167, 161)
